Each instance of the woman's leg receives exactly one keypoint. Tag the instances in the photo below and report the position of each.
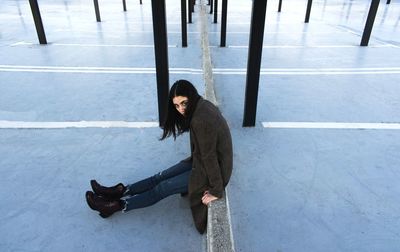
(165, 188)
(149, 183)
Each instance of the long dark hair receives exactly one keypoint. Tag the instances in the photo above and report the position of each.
(175, 123)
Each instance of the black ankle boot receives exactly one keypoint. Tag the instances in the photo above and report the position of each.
(104, 206)
(111, 193)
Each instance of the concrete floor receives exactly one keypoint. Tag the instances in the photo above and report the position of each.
(315, 189)
(292, 189)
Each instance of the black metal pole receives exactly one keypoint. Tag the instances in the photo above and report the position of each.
(223, 22)
(254, 61)
(215, 11)
(140, 1)
(38, 21)
(309, 4)
(183, 23)
(211, 6)
(97, 10)
(161, 56)
(124, 4)
(370, 22)
(280, 6)
(388, 2)
(190, 11)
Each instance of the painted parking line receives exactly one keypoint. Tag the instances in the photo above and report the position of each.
(355, 32)
(77, 124)
(23, 43)
(125, 124)
(106, 70)
(313, 46)
(331, 125)
(118, 32)
(220, 71)
(279, 32)
(311, 71)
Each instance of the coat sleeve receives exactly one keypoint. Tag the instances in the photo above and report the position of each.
(206, 135)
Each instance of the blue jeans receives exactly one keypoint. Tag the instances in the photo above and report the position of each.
(149, 191)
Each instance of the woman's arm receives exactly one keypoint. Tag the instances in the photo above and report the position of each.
(206, 137)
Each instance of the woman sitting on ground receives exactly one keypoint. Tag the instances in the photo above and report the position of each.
(203, 175)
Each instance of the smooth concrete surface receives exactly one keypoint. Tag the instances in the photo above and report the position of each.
(88, 72)
(314, 189)
(291, 190)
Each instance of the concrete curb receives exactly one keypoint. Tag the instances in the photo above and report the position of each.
(219, 228)
(207, 66)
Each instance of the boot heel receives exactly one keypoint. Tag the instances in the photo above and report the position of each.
(88, 196)
(105, 207)
(104, 215)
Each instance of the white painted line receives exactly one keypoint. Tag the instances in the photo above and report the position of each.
(110, 70)
(312, 46)
(221, 71)
(311, 71)
(330, 125)
(383, 45)
(317, 69)
(272, 32)
(90, 45)
(97, 45)
(80, 124)
(137, 22)
(359, 35)
(349, 31)
(118, 32)
(21, 43)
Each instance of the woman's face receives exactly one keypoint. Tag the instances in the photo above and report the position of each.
(181, 103)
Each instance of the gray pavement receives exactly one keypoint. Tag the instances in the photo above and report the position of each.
(291, 190)
(315, 189)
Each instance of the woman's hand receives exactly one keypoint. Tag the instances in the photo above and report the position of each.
(207, 198)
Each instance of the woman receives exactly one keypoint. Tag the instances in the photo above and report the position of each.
(203, 175)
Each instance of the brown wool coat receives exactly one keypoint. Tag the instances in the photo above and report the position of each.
(211, 154)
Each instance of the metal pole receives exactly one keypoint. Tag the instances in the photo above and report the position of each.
(215, 11)
(254, 62)
(140, 1)
(388, 2)
(280, 6)
(161, 56)
(370, 22)
(183, 23)
(211, 6)
(223, 22)
(309, 4)
(190, 11)
(97, 10)
(38, 21)
(124, 4)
